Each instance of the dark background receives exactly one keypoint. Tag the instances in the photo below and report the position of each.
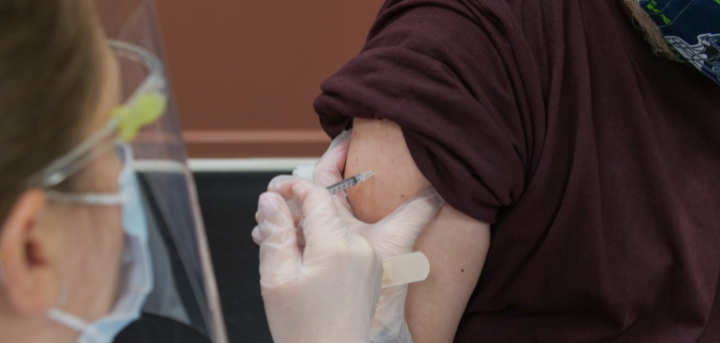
(229, 202)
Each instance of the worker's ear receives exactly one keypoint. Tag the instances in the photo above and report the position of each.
(26, 273)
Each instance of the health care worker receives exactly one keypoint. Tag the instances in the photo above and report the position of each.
(101, 238)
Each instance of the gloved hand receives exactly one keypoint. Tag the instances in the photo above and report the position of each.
(328, 170)
(326, 292)
(393, 236)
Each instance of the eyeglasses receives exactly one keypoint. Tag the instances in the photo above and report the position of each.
(143, 107)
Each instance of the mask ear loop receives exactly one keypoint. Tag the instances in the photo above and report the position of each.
(59, 316)
(72, 321)
(88, 199)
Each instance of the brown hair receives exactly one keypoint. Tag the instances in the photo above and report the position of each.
(50, 75)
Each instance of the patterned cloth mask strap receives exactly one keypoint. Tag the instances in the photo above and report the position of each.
(691, 29)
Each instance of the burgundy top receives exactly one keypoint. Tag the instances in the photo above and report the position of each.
(596, 162)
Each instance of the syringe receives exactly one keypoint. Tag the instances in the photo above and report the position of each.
(350, 182)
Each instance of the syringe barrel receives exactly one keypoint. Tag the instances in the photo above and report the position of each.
(343, 185)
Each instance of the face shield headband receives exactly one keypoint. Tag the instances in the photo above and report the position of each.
(143, 107)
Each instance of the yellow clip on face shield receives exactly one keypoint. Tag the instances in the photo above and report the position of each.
(149, 101)
(143, 107)
(146, 109)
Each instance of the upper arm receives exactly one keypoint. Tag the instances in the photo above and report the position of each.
(455, 243)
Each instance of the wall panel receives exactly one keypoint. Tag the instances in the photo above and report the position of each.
(245, 73)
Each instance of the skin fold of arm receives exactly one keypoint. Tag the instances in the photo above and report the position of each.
(455, 243)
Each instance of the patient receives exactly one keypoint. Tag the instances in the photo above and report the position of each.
(549, 129)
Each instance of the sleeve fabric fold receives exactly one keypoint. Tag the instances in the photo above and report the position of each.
(447, 73)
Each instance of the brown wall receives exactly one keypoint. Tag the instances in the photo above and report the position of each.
(245, 73)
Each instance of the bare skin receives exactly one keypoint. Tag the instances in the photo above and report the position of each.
(63, 255)
(455, 244)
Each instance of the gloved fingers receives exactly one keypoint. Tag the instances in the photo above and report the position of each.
(258, 239)
(416, 211)
(278, 180)
(328, 170)
(321, 220)
(329, 243)
(389, 323)
(342, 138)
(339, 145)
(256, 231)
(273, 212)
(327, 236)
(396, 234)
(344, 208)
(304, 171)
(293, 203)
(256, 235)
(279, 252)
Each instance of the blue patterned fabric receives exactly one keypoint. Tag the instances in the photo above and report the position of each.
(691, 29)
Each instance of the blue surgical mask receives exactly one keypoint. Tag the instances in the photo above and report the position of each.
(691, 29)
(137, 279)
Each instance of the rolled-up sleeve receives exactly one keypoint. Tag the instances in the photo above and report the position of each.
(445, 72)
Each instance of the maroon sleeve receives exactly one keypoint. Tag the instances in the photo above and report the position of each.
(446, 72)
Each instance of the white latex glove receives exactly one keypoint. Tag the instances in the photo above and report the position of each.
(395, 235)
(328, 291)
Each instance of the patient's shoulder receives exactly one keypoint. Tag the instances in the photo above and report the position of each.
(378, 145)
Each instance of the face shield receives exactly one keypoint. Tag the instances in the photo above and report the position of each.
(185, 289)
(184, 297)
